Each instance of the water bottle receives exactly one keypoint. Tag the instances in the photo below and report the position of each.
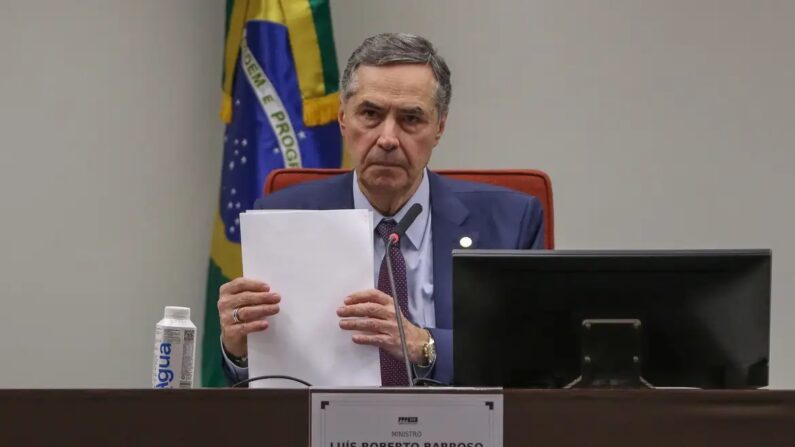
(175, 349)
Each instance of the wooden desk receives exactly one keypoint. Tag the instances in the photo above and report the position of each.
(226, 417)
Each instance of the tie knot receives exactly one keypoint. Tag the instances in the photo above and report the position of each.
(385, 228)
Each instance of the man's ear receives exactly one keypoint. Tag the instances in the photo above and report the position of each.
(341, 118)
(440, 130)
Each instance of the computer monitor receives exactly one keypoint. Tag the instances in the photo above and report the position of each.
(704, 316)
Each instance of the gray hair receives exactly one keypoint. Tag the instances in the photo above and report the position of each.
(398, 48)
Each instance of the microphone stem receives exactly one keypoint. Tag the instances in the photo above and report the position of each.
(398, 313)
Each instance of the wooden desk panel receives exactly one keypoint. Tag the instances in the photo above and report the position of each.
(202, 417)
(280, 418)
(649, 418)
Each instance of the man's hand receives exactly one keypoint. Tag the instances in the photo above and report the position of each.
(372, 313)
(254, 301)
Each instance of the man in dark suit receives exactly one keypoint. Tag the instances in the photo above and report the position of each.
(395, 94)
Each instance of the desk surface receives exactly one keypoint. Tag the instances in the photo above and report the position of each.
(281, 417)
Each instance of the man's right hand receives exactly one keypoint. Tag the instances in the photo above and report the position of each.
(254, 301)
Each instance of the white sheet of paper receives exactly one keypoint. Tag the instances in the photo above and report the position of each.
(313, 259)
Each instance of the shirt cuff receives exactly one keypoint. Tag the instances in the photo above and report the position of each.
(230, 364)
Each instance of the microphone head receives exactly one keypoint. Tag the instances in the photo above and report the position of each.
(414, 211)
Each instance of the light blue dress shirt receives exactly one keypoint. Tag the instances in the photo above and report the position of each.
(417, 248)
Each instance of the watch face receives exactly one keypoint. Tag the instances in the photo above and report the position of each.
(430, 351)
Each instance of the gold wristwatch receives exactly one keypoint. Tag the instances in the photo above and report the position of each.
(429, 351)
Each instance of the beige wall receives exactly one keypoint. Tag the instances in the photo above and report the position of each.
(663, 124)
(110, 153)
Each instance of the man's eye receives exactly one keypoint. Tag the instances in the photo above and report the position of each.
(412, 119)
(369, 113)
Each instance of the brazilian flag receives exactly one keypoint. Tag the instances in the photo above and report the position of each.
(280, 104)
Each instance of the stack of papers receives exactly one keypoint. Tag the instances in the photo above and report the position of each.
(313, 259)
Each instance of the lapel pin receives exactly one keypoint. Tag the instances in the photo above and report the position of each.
(465, 242)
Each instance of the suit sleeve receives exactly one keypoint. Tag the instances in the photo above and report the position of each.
(233, 373)
(531, 234)
(443, 369)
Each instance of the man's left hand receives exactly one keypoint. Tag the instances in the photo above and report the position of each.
(372, 313)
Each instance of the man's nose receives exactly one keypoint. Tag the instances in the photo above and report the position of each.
(388, 140)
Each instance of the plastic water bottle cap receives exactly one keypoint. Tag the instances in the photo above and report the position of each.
(177, 313)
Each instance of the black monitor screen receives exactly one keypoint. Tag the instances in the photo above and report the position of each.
(704, 315)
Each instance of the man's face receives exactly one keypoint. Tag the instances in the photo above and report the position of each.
(390, 125)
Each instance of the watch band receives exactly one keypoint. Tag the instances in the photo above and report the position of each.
(429, 351)
(240, 362)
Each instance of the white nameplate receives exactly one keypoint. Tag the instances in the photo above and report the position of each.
(406, 419)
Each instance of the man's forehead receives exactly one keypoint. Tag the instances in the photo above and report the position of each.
(409, 85)
(421, 71)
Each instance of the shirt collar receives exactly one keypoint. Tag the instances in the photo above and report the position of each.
(422, 195)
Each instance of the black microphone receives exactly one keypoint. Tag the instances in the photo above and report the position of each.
(405, 223)
(394, 239)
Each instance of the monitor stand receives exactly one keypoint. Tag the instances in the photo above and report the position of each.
(611, 354)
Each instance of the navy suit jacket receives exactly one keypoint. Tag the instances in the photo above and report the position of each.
(491, 216)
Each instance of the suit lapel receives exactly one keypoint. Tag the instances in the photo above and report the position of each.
(448, 224)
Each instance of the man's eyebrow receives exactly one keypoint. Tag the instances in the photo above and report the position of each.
(369, 105)
(416, 110)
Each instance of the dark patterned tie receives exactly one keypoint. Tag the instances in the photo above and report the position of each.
(393, 371)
